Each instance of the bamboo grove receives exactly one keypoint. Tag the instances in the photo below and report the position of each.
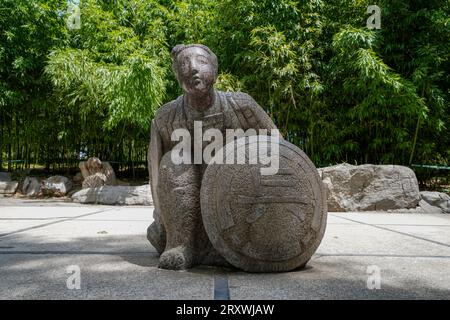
(339, 91)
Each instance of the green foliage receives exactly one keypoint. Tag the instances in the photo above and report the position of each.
(379, 103)
(116, 65)
(28, 30)
(418, 46)
(29, 118)
(336, 89)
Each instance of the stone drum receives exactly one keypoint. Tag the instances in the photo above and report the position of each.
(264, 223)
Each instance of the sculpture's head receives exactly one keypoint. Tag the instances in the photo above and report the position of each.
(195, 67)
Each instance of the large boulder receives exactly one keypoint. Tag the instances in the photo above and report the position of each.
(370, 187)
(8, 187)
(97, 173)
(31, 187)
(115, 195)
(425, 207)
(56, 186)
(94, 181)
(437, 200)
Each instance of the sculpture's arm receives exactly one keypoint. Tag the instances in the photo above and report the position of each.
(254, 114)
(155, 153)
(262, 118)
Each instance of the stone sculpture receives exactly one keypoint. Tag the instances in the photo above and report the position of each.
(186, 194)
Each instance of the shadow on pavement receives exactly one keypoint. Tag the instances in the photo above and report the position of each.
(125, 267)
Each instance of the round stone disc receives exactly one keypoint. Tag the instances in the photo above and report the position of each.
(260, 222)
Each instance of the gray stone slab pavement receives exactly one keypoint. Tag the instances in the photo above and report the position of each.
(41, 242)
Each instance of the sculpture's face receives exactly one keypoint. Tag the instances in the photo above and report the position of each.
(195, 70)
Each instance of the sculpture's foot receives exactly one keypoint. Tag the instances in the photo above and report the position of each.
(178, 258)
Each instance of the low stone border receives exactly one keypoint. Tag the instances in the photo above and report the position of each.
(115, 195)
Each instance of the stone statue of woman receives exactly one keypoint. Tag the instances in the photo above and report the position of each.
(177, 231)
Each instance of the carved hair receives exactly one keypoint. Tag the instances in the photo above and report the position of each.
(180, 47)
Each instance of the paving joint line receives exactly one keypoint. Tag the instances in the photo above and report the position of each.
(53, 222)
(394, 224)
(378, 255)
(57, 252)
(395, 231)
(221, 287)
(56, 218)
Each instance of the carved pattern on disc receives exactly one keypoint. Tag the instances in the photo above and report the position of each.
(265, 223)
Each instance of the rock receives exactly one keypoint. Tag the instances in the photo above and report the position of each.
(370, 187)
(5, 177)
(31, 187)
(108, 171)
(8, 187)
(425, 207)
(56, 186)
(438, 200)
(84, 171)
(94, 181)
(115, 195)
(103, 170)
